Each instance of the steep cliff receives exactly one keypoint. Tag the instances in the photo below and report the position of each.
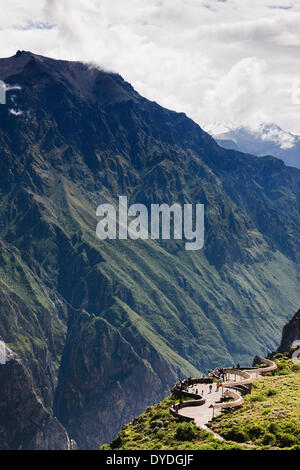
(104, 327)
(24, 421)
(104, 380)
(290, 333)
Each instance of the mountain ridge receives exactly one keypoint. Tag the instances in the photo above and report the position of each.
(268, 139)
(169, 312)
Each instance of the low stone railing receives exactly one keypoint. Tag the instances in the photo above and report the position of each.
(187, 394)
(185, 404)
(202, 380)
(246, 378)
(270, 366)
(247, 374)
(238, 400)
(194, 381)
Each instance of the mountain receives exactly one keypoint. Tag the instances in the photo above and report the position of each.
(104, 328)
(24, 421)
(269, 139)
(290, 333)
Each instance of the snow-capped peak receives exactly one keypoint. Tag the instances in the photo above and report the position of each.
(273, 133)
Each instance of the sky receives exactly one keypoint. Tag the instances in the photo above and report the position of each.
(219, 61)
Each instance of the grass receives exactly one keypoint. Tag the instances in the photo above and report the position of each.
(157, 429)
(269, 419)
(270, 416)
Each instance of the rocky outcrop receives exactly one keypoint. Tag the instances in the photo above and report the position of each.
(290, 333)
(24, 422)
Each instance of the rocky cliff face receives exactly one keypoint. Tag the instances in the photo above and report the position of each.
(103, 328)
(24, 421)
(105, 379)
(290, 333)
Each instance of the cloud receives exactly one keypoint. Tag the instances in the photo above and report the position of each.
(215, 60)
(274, 134)
(238, 95)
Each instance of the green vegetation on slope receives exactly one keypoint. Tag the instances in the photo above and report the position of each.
(269, 419)
(158, 429)
(270, 416)
(176, 312)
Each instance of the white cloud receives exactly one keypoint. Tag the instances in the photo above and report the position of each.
(274, 134)
(215, 60)
(239, 93)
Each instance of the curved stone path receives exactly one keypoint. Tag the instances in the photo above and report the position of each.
(212, 407)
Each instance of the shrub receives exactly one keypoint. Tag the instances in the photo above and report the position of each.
(257, 398)
(282, 369)
(105, 447)
(157, 446)
(283, 372)
(255, 431)
(268, 438)
(235, 434)
(281, 365)
(291, 427)
(117, 442)
(285, 439)
(156, 429)
(185, 432)
(273, 428)
(156, 424)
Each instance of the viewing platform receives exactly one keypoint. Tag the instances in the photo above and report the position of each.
(209, 395)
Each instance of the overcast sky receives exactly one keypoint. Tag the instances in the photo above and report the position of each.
(216, 60)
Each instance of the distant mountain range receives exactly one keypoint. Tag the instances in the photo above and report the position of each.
(269, 139)
(102, 329)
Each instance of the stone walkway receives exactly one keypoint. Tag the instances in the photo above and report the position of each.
(204, 413)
